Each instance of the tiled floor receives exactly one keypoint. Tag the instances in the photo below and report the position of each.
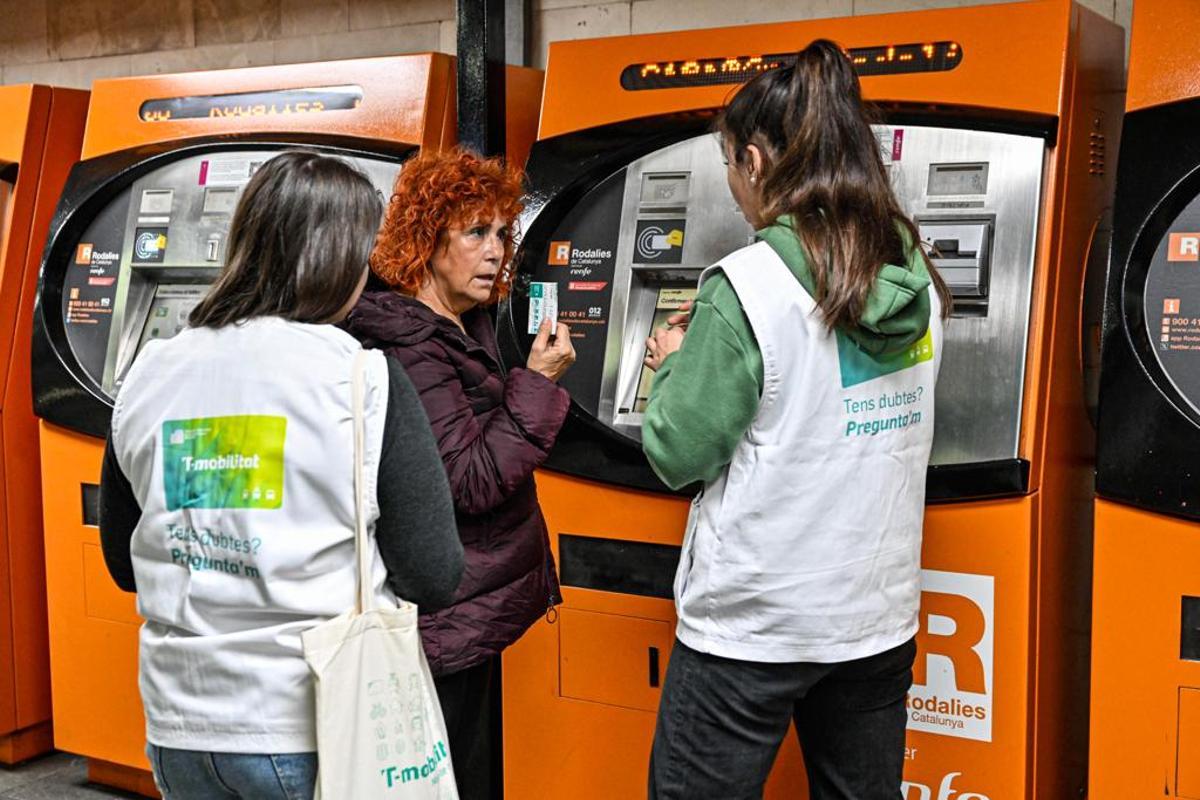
(53, 777)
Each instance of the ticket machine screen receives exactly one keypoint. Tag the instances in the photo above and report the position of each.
(669, 301)
(149, 256)
(630, 253)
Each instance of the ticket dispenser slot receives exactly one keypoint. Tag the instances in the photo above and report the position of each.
(664, 191)
(961, 251)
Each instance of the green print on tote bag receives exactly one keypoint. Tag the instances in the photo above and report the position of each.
(224, 462)
(380, 732)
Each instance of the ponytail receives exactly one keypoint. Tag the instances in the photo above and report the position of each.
(823, 172)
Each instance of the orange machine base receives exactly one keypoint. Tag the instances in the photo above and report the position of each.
(583, 689)
(24, 744)
(119, 776)
(1145, 724)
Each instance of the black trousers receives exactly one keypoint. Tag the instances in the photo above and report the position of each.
(469, 701)
(721, 721)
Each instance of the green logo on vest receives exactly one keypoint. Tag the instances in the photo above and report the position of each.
(858, 367)
(224, 462)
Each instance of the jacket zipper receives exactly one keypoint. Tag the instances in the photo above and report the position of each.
(551, 610)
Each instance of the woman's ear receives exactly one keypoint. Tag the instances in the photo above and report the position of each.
(755, 162)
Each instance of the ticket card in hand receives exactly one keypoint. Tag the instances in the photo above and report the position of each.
(543, 304)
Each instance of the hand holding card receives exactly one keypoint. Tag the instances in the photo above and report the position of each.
(551, 356)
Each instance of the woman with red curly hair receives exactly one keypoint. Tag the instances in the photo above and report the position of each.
(444, 253)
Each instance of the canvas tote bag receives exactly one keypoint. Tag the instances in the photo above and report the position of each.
(380, 732)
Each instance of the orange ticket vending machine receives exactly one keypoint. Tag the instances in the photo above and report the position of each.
(139, 235)
(40, 136)
(1145, 712)
(996, 124)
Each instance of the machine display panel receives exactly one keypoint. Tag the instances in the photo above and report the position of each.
(947, 179)
(169, 311)
(889, 59)
(148, 257)
(157, 201)
(670, 300)
(220, 199)
(253, 104)
(633, 249)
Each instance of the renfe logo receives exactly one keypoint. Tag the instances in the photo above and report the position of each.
(1184, 247)
(945, 790)
(952, 676)
(560, 254)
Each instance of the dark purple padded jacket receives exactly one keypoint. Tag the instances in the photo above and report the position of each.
(492, 431)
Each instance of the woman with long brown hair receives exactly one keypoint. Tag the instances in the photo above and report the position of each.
(799, 389)
(227, 490)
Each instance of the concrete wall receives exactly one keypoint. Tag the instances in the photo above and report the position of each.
(72, 42)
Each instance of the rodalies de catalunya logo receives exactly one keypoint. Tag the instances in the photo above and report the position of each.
(952, 676)
(1183, 247)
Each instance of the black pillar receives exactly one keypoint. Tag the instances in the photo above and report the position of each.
(481, 57)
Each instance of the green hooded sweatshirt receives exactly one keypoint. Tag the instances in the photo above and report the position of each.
(706, 395)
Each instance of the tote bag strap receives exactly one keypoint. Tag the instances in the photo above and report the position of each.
(365, 600)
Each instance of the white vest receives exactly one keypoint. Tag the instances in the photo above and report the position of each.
(238, 443)
(807, 547)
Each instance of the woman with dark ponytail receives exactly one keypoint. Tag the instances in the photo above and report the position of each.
(799, 389)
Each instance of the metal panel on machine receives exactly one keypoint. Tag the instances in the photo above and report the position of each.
(631, 252)
(147, 257)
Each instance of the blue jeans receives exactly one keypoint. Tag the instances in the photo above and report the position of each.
(721, 721)
(195, 775)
